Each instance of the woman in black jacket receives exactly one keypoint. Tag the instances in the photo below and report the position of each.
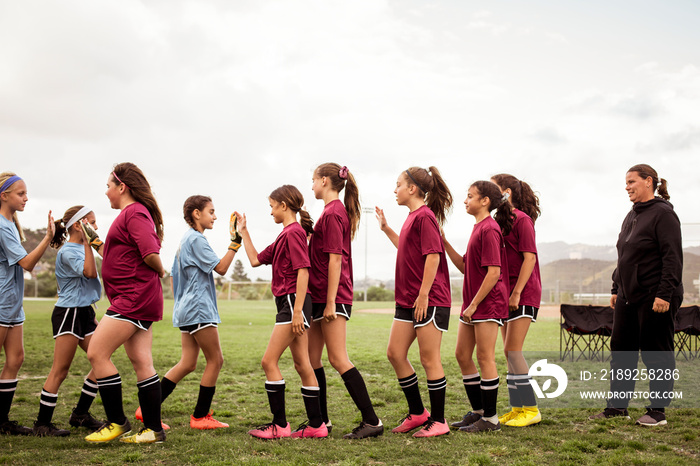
(646, 294)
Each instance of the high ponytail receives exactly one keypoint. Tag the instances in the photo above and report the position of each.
(341, 178)
(522, 196)
(659, 184)
(61, 234)
(294, 200)
(499, 203)
(438, 197)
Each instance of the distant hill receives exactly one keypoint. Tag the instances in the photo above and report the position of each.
(550, 252)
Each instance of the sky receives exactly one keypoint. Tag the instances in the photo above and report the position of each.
(233, 99)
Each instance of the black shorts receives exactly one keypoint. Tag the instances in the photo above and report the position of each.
(439, 316)
(77, 321)
(11, 324)
(476, 321)
(140, 324)
(343, 310)
(529, 312)
(285, 308)
(192, 329)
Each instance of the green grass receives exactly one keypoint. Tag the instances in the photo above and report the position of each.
(563, 437)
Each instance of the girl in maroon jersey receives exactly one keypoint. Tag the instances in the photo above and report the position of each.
(485, 302)
(331, 287)
(289, 257)
(525, 295)
(423, 296)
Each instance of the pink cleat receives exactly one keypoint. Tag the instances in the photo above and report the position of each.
(433, 429)
(306, 431)
(271, 431)
(411, 421)
(139, 417)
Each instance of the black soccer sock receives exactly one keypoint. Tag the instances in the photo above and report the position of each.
(409, 385)
(47, 404)
(167, 386)
(313, 409)
(526, 395)
(206, 394)
(436, 390)
(321, 378)
(275, 395)
(513, 394)
(358, 392)
(111, 392)
(149, 399)
(87, 396)
(7, 392)
(489, 396)
(472, 385)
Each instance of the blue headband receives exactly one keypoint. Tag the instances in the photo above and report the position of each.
(10, 181)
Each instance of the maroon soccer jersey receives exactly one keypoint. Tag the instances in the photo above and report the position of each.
(287, 255)
(420, 236)
(486, 249)
(132, 287)
(331, 236)
(522, 239)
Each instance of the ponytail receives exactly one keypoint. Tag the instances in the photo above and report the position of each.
(438, 197)
(4, 177)
(645, 171)
(293, 198)
(135, 181)
(663, 189)
(522, 196)
(341, 178)
(498, 202)
(61, 234)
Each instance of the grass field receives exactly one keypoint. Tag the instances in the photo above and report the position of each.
(563, 437)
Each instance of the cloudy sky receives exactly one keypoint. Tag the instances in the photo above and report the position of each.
(234, 98)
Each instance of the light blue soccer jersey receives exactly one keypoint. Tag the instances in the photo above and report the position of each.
(11, 273)
(74, 289)
(193, 281)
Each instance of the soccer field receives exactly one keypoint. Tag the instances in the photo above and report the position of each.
(563, 437)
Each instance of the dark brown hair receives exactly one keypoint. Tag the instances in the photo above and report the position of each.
(136, 182)
(60, 236)
(522, 196)
(659, 184)
(291, 196)
(193, 203)
(352, 195)
(437, 195)
(504, 212)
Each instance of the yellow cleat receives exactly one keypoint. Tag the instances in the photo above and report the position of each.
(145, 435)
(529, 416)
(109, 431)
(512, 414)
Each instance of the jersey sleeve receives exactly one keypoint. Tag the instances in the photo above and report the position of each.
(332, 235)
(298, 250)
(203, 255)
(526, 235)
(11, 244)
(73, 262)
(491, 249)
(430, 239)
(142, 230)
(265, 256)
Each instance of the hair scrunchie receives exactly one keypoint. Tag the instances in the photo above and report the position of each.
(343, 172)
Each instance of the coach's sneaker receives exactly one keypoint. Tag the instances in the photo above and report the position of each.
(13, 428)
(84, 420)
(139, 417)
(510, 415)
(652, 418)
(608, 413)
(206, 422)
(365, 430)
(306, 431)
(145, 435)
(433, 429)
(528, 416)
(271, 431)
(109, 431)
(482, 425)
(48, 430)
(411, 421)
(468, 419)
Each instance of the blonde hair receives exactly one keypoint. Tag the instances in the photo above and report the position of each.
(4, 176)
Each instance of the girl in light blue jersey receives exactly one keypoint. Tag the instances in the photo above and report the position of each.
(14, 260)
(195, 311)
(73, 317)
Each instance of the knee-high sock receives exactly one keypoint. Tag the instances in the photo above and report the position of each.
(358, 392)
(489, 395)
(409, 385)
(313, 409)
(472, 385)
(275, 395)
(167, 386)
(322, 400)
(206, 394)
(87, 396)
(149, 399)
(526, 394)
(47, 404)
(7, 392)
(111, 392)
(436, 390)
